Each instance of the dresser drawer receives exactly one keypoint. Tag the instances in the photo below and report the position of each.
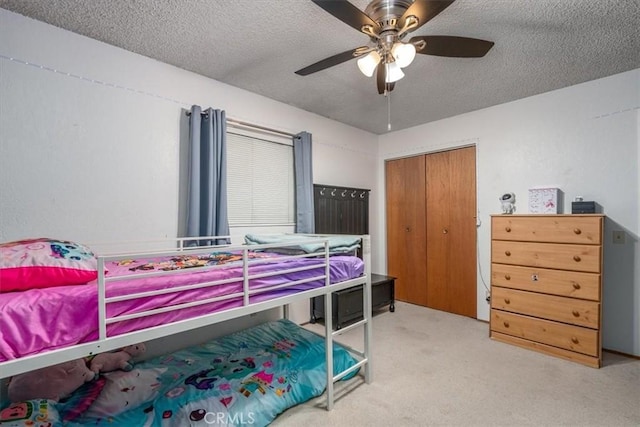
(549, 255)
(585, 359)
(553, 229)
(561, 309)
(574, 338)
(565, 283)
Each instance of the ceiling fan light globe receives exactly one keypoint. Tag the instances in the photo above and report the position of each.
(394, 72)
(403, 53)
(368, 63)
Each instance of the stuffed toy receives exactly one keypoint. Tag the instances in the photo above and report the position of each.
(107, 362)
(53, 382)
(508, 201)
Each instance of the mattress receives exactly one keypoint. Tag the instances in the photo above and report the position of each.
(246, 378)
(37, 320)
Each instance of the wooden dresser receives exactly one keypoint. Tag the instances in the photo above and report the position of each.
(546, 284)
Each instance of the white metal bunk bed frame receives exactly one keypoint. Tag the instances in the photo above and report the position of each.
(105, 343)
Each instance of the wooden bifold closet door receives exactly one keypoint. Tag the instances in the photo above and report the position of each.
(431, 229)
(406, 228)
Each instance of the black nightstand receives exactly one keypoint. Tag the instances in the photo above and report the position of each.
(347, 303)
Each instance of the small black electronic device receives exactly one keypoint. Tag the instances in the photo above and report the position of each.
(583, 207)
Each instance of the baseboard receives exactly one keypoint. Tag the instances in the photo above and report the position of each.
(632, 356)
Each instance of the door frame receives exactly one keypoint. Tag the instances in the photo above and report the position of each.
(383, 224)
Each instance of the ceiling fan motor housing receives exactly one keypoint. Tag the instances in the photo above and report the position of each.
(387, 12)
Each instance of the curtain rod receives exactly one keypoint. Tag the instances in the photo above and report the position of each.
(240, 123)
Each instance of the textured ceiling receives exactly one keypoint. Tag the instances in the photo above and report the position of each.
(540, 45)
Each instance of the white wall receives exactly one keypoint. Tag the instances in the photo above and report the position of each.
(89, 149)
(583, 140)
(90, 138)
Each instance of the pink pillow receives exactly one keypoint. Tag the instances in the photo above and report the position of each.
(44, 263)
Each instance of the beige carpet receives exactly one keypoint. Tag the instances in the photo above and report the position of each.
(435, 368)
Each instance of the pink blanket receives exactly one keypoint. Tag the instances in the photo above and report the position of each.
(45, 319)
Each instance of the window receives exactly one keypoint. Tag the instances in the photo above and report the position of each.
(260, 179)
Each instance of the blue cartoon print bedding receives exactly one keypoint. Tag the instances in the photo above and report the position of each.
(246, 378)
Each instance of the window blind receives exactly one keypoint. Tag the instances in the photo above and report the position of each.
(260, 179)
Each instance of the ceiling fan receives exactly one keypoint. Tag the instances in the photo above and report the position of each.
(387, 22)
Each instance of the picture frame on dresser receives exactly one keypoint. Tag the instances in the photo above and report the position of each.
(546, 284)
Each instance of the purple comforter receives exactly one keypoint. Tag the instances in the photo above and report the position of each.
(45, 319)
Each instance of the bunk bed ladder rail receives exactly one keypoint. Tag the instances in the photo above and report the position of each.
(365, 356)
(102, 301)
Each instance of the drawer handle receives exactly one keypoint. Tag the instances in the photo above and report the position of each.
(575, 340)
(507, 276)
(577, 230)
(507, 229)
(576, 313)
(576, 286)
(507, 301)
(507, 253)
(506, 324)
(577, 258)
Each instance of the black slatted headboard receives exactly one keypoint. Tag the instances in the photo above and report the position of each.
(340, 210)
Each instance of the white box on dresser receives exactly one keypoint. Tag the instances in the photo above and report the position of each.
(544, 200)
(546, 284)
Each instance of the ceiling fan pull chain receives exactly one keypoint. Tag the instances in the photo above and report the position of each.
(388, 95)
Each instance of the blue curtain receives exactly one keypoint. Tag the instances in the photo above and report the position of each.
(303, 169)
(207, 194)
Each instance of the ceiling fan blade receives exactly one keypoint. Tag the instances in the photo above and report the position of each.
(347, 13)
(329, 62)
(424, 10)
(381, 76)
(453, 47)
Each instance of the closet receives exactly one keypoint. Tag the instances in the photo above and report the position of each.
(431, 229)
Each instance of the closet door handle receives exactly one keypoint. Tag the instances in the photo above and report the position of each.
(407, 229)
(445, 231)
